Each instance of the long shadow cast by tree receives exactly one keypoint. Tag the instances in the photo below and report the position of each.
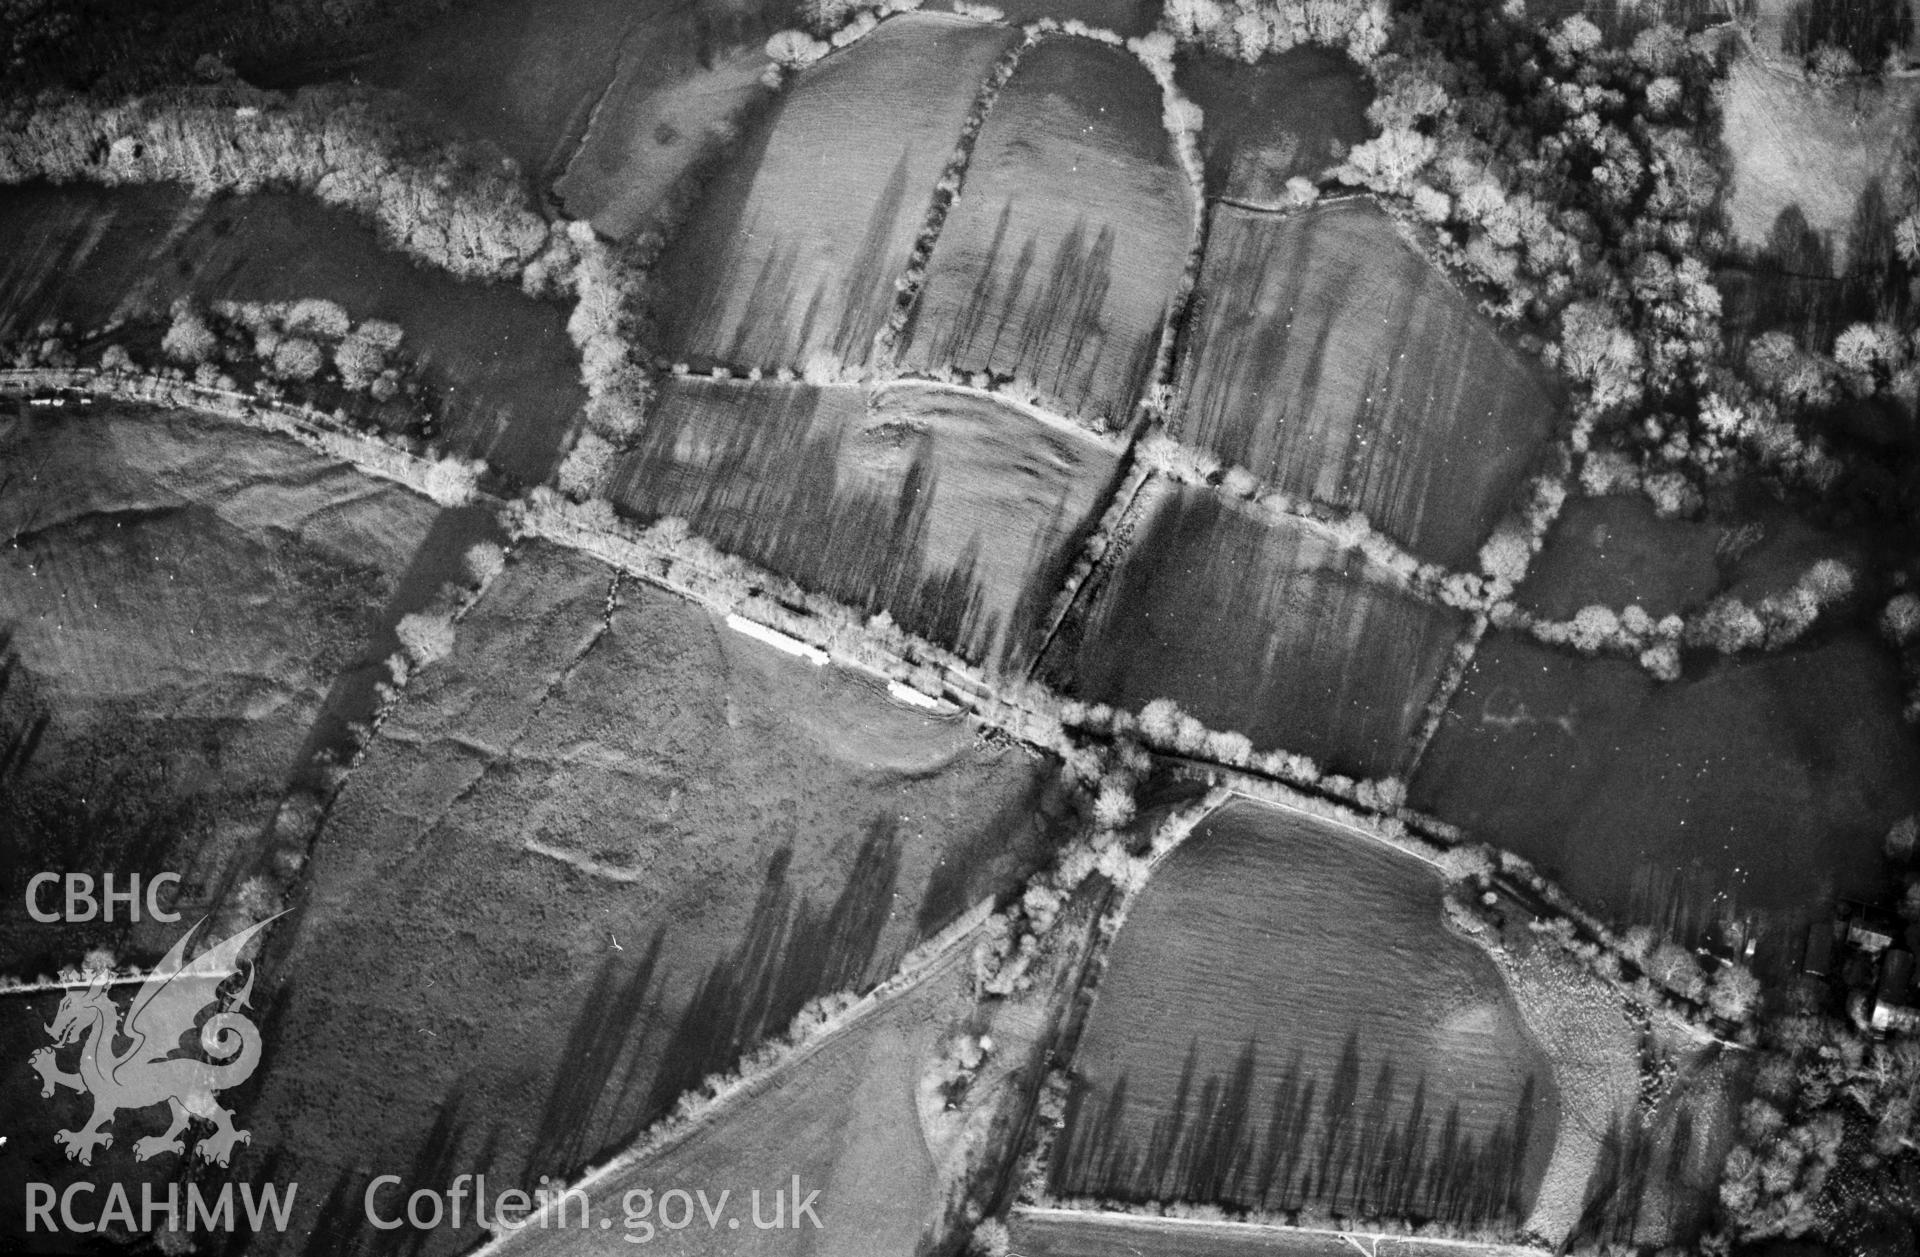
(1330, 1142)
(596, 1103)
(792, 953)
(773, 491)
(343, 1227)
(1052, 330)
(111, 799)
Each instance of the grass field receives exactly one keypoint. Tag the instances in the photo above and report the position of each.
(178, 597)
(1614, 551)
(182, 601)
(1285, 1020)
(794, 250)
(1260, 626)
(1295, 114)
(529, 76)
(1758, 788)
(958, 515)
(507, 373)
(1795, 147)
(591, 857)
(845, 1122)
(524, 75)
(1067, 244)
(650, 130)
(1333, 361)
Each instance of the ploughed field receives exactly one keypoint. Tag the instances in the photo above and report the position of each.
(507, 375)
(956, 514)
(1059, 262)
(1335, 363)
(1285, 1021)
(1261, 625)
(598, 851)
(1753, 789)
(794, 250)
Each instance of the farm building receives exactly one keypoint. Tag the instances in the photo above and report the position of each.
(1893, 996)
(1870, 934)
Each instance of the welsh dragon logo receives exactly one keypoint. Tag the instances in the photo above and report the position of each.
(149, 1071)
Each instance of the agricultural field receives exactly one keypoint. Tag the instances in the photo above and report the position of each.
(524, 75)
(1293, 115)
(649, 138)
(1751, 791)
(507, 375)
(844, 1121)
(187, 609)
(792, 254)
(667, 839)
(1334, 362)
(1058, 263)
(1264, 626)
(957, 514)
(1411, 1087)
(993, 719)
(1616, 552)
(535, 78)
(180, 599)
(1824, 159)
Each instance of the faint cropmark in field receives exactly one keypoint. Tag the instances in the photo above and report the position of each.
(1503, 709)
(149, 1072)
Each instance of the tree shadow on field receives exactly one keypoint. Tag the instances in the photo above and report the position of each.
(1798, 284)
(596, 1104)
(1331, 1141)
(111, 799)
(1637, 1152)
(343, 1228)
(354, 695)
(795, 308)
(792, 953)
(1016, 834)
(1050, 327)
(777, 490)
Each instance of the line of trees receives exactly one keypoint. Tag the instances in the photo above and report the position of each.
(456, 205)
(1251, 29)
